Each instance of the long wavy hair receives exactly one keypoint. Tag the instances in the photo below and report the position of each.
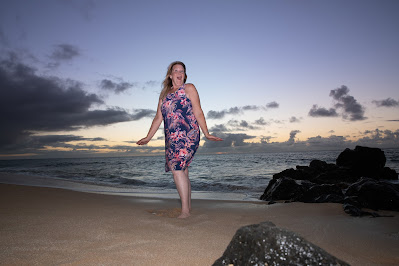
(167, 82)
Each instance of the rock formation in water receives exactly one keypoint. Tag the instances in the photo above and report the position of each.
(359, 179)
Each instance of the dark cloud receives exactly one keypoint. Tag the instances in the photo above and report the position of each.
(31, 103)
(116, 87)
(236, 110)
(394, 120)
(293, 134)
(379, 137)
(219, 128)
(261, 122)
(38, 143)
(65, 52)
(265, 139)
(151, 83)
(293, 119)
(352, 110)
(240, 125)
(322, 112)
(272, 105)
(250, 108)
(221, 114)
(229, 140)
(141, 113)
(389, 102)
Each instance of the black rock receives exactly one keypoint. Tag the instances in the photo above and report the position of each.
(335, 176)
(285, 188)
(373, 194)
(323, 193)
(389, 174)
(319, 165)
(363, 161)
(266, 244)
(341, 183)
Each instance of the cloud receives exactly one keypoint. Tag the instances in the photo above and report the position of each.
(377, 137)
(250, 108)
(322, 112)
(115, 87)
(237, 110)
(240, 125)
(293, 119)
(30, 103)
(65, 52)
(389, 102)
(219, 128)
(221, 114)
(272, 105)
(265, 139)
(261, 122)
(352, 110)
(142, 113)
(38, 143)
(229, 140)
(293, 134)
(151, 83)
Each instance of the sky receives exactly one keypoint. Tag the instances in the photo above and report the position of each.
(81, 78)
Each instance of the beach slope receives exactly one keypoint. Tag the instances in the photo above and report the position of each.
(56, 226)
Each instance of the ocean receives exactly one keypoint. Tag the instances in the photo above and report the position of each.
(216, 176)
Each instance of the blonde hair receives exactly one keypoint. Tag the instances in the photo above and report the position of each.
(167, 82)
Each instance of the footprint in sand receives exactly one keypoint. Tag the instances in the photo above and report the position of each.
(170, 213)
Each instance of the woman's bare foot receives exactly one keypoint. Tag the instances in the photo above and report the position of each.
(184, 215)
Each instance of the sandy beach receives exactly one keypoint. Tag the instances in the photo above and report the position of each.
(49, 226)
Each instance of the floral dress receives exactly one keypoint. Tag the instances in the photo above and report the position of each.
(182, 133)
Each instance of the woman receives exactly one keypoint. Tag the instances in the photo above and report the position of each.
(180, 109)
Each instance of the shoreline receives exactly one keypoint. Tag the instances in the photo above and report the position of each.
(56, 226)
(129, 191)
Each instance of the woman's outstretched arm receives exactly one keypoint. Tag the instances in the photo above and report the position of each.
(192, 94)
(154, 126)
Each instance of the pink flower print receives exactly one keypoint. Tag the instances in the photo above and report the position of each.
(182, 134)
(183, 102)
(174, 136)
(180, 93)
(183, 153)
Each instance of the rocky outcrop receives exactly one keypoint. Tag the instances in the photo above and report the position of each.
(356, 180)
(266, 244)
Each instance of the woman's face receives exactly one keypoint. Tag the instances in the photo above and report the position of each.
(177, 75)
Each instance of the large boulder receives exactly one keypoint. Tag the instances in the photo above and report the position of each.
(266, 244)
(373, 194)
(288, 189)
(285, 188)
(363, 161)
(344, 183)
(323, 193)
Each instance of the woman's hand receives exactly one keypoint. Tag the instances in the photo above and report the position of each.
(143, 141)
(213, 138)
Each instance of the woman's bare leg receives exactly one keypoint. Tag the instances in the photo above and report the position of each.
(189, 188)
(183, 187)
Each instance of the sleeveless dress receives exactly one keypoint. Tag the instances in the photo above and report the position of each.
(182, 135)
